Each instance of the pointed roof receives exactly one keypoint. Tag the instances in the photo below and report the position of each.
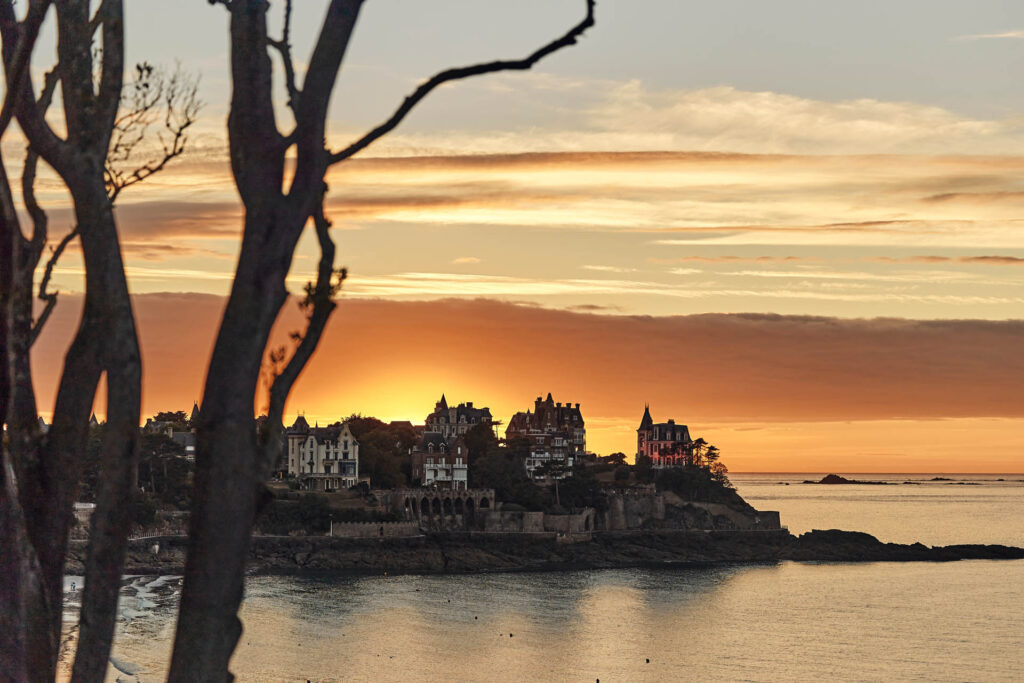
(195, 412)
(549, 399)
(443, 402)
(93, 421)
(646, 422)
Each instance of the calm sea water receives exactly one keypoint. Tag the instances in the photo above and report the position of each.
(884, 621)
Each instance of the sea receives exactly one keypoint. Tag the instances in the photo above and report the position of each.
(790, 621)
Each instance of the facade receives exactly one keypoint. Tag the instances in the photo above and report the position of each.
(323, 458)
(455, 421)
(441, 462)
(667, 444)
(557, 434)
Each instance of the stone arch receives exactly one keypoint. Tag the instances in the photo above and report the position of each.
(424, 506)
(460, 508)
(586, 523)
(435, 506)
(484, 503)
(447, 506)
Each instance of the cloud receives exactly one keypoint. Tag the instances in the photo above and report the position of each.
(731, 259)
(974, 260)
(609, 269)
(753, 368)
(632, 116)
(993, 36)
(977, 197)
(465, 260)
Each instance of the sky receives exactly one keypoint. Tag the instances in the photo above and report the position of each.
(794, 226)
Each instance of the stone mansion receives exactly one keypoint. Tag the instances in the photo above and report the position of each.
(322, 458)
(667, 444)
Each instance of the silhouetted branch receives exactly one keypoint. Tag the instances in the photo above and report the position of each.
(17, 62)
(28, 175)
(319, 304)
(464, 72)
(50, 298)
(284, 47)
(141, 104)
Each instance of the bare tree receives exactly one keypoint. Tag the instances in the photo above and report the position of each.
(232, 461)
(41, 471)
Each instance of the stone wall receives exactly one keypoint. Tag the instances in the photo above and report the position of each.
(574, 523)
(514, 521)
(375, 529)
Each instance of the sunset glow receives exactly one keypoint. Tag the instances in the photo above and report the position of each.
(815, 269)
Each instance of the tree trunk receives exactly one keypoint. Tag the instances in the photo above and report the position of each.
(228, 472)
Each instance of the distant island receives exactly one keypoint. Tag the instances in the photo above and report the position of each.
(836, 479)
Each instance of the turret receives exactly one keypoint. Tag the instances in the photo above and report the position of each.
(646, 422)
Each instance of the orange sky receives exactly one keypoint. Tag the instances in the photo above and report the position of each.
(776, 393)
(805, 244)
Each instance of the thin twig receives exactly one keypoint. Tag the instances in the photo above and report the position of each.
(464, 72)
(284, 47)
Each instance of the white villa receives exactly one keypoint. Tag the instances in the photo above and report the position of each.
(323, 458)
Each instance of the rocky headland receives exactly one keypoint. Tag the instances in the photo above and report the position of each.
(457, 553)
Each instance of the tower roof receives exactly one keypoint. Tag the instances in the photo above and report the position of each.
(646, 422)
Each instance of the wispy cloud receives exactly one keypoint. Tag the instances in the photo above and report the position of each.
(1018, 35)
(609, 269)
(731, 259)
(465, 260)
(994, 260)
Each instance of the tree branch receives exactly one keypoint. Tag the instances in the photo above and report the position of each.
(151, 86)
(319, 303)
(50, 298)
(464, 72)
(17, 60)
(284, 47)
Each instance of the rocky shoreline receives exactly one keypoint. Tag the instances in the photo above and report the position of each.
(460, 553)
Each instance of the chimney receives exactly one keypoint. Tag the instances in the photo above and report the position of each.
(469, 405)
(577, 406)
(558, 405)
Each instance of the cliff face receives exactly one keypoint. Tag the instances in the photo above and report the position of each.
(464, 553)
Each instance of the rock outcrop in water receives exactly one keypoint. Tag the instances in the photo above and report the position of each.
(469, 553)
(836, 479)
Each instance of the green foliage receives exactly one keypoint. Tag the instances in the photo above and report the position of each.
(309, 513)
(381, 458)
(643, 470)
(383, 450)
(164, 472)
(177, 417)
(360, 425)
(312, 513)
(582, 490)
(616, 458)
(144, 510)
(699, 484)
(479, 440)
(503, 471)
